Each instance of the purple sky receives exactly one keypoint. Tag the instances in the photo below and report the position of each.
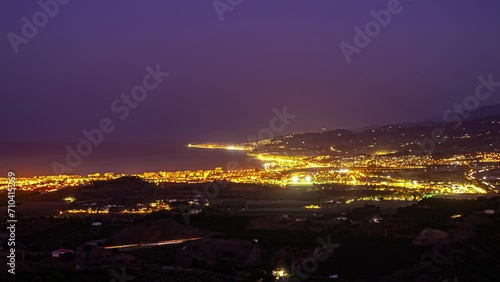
(226, 77)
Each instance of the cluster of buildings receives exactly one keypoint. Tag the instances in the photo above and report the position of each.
(381, 160)
(139, 208)
(53, 182)
(295, 170)
(198, 176)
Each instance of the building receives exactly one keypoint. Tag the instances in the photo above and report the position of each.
(60, 252)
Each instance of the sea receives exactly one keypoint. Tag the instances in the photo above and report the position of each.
(31, 159)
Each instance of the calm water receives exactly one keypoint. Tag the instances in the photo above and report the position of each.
(30, 159)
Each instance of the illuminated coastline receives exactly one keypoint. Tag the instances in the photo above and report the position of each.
(220, 147)
(379, 172)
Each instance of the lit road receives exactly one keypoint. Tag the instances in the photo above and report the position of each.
(471, 175)
(150, 245)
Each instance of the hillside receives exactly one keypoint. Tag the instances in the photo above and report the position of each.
(481, 134)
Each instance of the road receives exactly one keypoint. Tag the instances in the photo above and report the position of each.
(150, 245)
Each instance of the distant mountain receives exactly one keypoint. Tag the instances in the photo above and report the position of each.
(366, 128)
(480, 134)
(480, 112)
(485, 111)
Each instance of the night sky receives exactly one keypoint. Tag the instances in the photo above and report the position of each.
(227, 76)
